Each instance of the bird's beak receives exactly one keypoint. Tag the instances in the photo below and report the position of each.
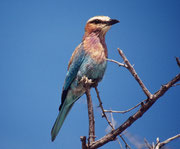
(113, 21)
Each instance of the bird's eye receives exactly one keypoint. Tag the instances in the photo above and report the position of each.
(96, 21)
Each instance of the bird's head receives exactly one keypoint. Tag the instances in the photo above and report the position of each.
(99, 24)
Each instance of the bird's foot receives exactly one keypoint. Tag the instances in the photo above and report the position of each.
(86, 81)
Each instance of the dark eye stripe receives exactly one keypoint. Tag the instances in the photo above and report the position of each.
(96, 21)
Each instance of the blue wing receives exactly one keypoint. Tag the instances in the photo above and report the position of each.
(74, 65)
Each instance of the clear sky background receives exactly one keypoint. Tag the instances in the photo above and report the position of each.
(37, 38)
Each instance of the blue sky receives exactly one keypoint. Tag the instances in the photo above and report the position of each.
(37, 39)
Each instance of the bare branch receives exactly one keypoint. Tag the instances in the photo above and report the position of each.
(91, 138)
(87, 83)
(112, 111)
(114, 61)
(151, 99)
(160, 144)
(133, 72)
(147, 144)
(112, 135)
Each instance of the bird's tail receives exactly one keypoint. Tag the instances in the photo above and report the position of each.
(60, 119)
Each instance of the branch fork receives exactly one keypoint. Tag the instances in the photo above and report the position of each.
(145, 105)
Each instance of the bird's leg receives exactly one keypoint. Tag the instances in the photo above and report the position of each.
(95, 84)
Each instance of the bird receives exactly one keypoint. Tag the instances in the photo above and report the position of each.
(89, 60)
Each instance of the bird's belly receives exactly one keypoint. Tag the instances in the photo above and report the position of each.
(92, 70)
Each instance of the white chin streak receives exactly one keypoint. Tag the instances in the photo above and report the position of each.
(105, 29)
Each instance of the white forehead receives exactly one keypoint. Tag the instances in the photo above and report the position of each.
(103, 18)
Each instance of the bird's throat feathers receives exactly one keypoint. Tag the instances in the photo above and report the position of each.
(95, 46)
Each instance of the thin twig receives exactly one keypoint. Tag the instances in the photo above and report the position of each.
(119, 143)
(133, 72)
(178, 61)
(104, 115)
(147, 144)
(114, 61)
(160, 144)
(102, 109)
(176, 84)
(126, 145)
(113, 111)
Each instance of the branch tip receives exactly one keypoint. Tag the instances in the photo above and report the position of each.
(160, 144)
(178, 61)
(83, 140)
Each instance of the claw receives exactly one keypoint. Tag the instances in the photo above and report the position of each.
(85, 80)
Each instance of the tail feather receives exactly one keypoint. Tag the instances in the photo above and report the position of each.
(63, 112)
(59, 120)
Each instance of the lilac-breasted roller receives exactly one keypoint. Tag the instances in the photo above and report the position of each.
(88, 60)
